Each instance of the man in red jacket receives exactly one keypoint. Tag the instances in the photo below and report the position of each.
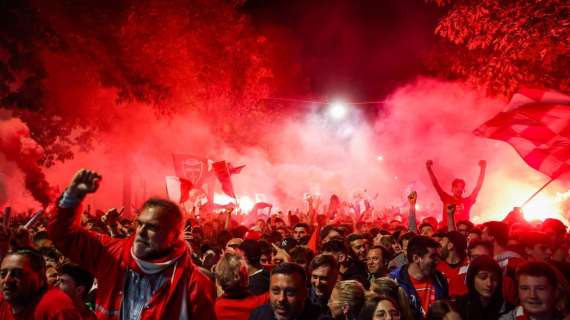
(25, 293)
(149, 275)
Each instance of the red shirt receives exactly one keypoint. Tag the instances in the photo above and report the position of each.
(425, 291)
(462, 207)
(458, 283)
(53, 304)
(448, 270)
(230, 308)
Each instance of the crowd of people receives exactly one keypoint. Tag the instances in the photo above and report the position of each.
(324, 263)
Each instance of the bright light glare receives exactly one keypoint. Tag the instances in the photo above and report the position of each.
(245, 202)
(380, 158)
(338, 110)
(541, 207)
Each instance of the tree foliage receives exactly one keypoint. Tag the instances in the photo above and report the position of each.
(58, 57)
(499, 45)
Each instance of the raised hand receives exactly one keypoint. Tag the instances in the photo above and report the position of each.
(482, 163)
(429, 164)
(412, 198)
(450, 208)
(84, 182)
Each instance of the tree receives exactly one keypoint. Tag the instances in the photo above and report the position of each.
(202, 56)
(499, 45)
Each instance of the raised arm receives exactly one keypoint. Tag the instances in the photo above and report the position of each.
(65, 227)
(450, 217)
(412, 224)
(483, 166)
(440, 192)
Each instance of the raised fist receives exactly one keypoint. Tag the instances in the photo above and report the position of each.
(84, 182)
(412, 198)
(483, 164)
(429, 164)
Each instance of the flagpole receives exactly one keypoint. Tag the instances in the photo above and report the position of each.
(538, 191)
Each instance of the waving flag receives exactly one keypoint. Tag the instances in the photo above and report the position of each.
(178, 189)
(190, 167)
(536, 123)
(223, 173)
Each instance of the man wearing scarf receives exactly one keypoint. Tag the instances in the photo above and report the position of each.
(149, 275)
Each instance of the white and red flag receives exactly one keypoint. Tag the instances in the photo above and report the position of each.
(178, 189)
(191, 168)
(536, 122)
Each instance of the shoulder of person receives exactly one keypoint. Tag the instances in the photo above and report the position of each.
(262, 312)
(55, 302)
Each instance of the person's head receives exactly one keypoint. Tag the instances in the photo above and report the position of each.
(51, 276)
(278, 223)
(554, 227)
(536, 246)
(52, 257)
(231, 273)
(453, 242)
(287, 291)
(233, 244)
(442, 310)
(359, 245)
(252, 251)
(74, 281)
(537, 288)
(324, 272)
(484, 279)
(346, 300)
(41, 239)
(159, 226)
(458, 187)
(474, 234)
(300, 230)
(338, 249)
(495, 232)
(301, 256)
(423, 252)
(386, 309)
(426, 229)
(22, 276)
(479, 248)
(388, 287)
(464, 227)
(328, 233)
(266, 252)
(376, 260)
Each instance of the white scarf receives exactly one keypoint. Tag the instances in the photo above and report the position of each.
(152, 267)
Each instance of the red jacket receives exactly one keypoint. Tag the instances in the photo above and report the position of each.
(53, 304)
(108, 260)
(238, 308)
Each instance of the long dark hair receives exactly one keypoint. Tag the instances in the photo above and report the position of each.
(485, 263)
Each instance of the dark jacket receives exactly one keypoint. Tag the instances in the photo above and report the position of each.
(403, 278)
(321, 302)
(259, 282)
(471, 308)
(357, 271)
(311, 312)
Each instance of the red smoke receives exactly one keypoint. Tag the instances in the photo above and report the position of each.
(18, 147)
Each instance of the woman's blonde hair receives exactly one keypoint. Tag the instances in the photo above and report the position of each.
(231, 272)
